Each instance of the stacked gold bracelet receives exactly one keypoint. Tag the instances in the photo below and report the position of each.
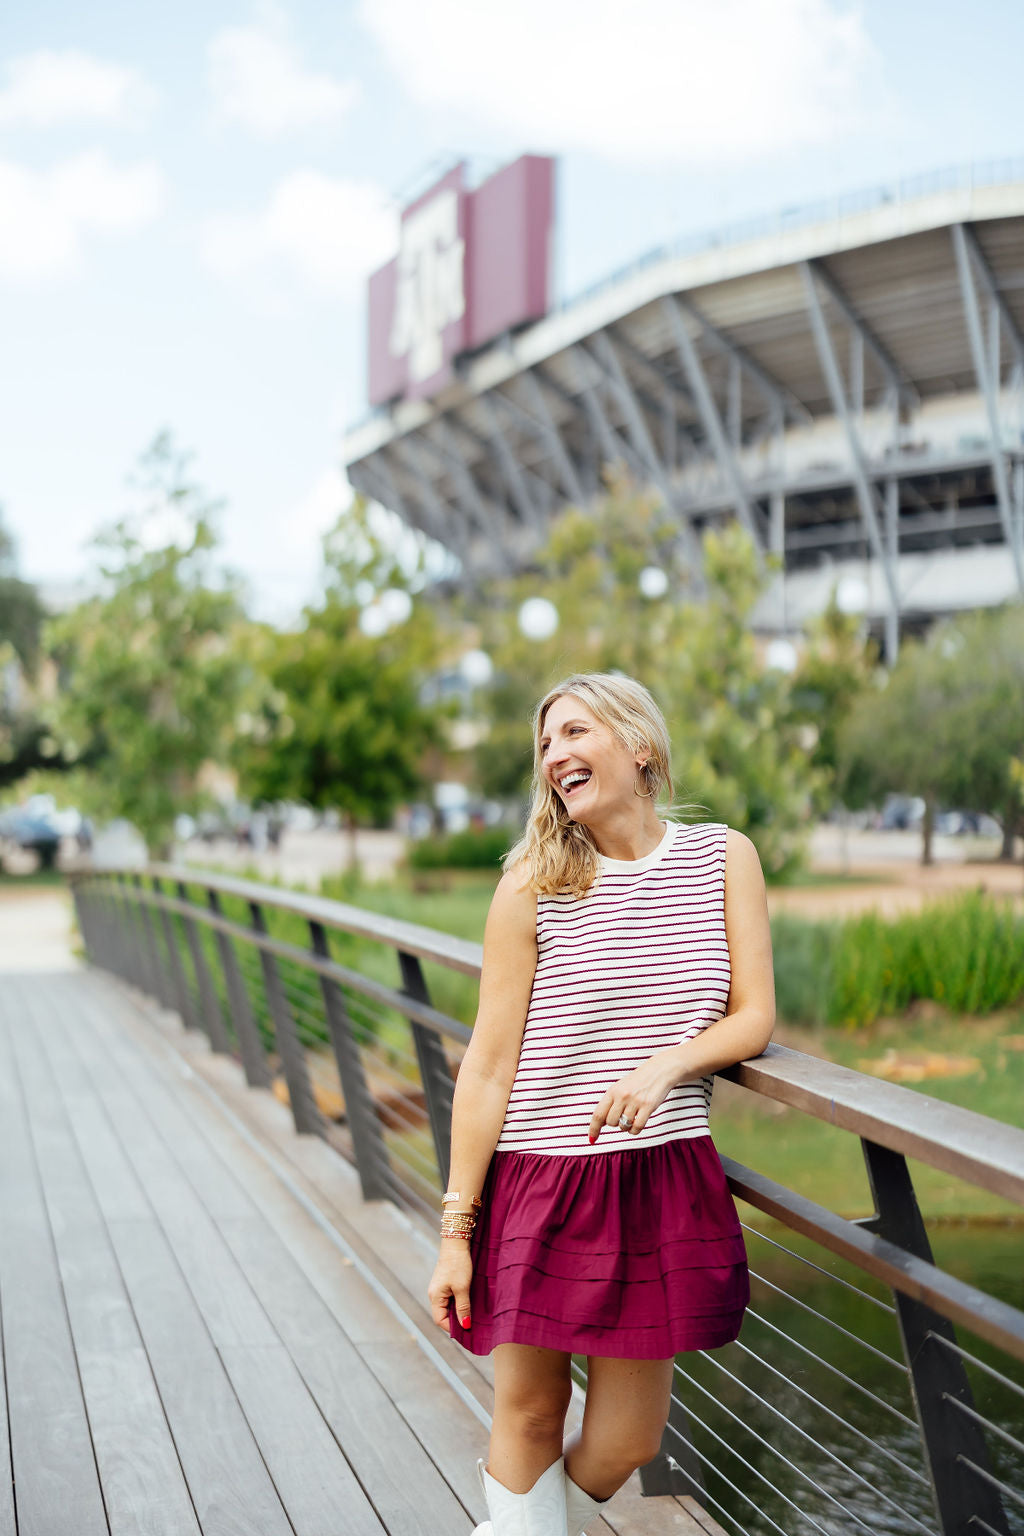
(458, 1223)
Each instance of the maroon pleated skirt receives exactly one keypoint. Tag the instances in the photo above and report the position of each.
(635, 1254)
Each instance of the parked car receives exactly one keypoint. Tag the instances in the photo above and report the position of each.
(34, 829)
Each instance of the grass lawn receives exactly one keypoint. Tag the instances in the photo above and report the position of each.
(40, 879)
(826, 1164)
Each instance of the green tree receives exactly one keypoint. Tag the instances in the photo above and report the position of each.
(837, 665)
(151, 673)
(25, 740)
(341, 721)
(736, 745)
(946, 723)
(896, 737)
(21, 612)
(985, 657)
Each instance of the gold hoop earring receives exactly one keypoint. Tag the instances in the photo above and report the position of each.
(649, 794)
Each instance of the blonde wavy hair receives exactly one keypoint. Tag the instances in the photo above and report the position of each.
(557, 852)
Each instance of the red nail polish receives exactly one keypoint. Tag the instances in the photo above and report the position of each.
(467, 1322)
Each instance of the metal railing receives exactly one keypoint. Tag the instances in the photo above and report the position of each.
(849, 1403)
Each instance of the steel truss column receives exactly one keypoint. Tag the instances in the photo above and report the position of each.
(515, 413)
(475, 511)
(383, 487)
(866, 495)
(549, 431)
(988, 385)
(641, 438)
(511, 469)
(937, 1375)
(777, 397)
(441, 515)
(612, 447)
(892, 539)
(723, 450)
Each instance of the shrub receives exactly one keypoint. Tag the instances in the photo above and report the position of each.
(475, 848)
(966, 952)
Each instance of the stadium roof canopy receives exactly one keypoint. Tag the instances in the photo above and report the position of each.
(846, 380)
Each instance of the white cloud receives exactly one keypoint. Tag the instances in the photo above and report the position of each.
(48, 87)
(258, 79)
(331, 232)
(679, 81)
(44, 215)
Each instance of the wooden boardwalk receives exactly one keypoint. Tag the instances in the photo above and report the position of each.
(204, 1329)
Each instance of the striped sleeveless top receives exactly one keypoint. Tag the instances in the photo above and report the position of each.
(638, 964)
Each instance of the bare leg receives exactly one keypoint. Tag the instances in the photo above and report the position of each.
(532, 1392)
(627, 1406)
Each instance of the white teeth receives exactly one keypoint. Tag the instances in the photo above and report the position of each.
(574, 778)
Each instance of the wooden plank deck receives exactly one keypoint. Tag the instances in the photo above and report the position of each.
(204, 1330)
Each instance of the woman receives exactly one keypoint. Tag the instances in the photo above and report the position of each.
(626, 959)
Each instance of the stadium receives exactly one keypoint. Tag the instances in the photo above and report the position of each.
(846, 380)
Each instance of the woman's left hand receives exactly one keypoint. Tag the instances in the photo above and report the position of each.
(637, 1095)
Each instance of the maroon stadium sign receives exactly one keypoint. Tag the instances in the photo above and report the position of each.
(470, 265)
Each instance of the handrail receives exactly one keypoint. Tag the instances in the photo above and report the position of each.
(395, 1125)
(458, 954)
(956, 1141)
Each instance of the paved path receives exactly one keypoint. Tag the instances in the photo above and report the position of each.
(36, 932)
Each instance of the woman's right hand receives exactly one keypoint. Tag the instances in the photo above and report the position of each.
(451, 1277)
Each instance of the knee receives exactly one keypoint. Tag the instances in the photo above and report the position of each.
(540, 1415)
(630, 1448)
(641, 1447)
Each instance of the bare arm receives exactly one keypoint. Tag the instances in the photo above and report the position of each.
(488, 1070)
(745, 1028)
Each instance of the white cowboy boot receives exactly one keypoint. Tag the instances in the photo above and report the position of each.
(580, 1508)
(540, 1512)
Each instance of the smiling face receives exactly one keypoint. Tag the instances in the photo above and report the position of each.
(585, 763)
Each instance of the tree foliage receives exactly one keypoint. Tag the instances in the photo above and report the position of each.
(736, 744)
(340, 721)
(837, 664)
(25, 741)
(151, 674)
(947, 723)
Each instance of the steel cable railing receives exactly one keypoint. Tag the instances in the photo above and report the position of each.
(802, 1258)
(837, 1418)
(292, 984)
(819, 1447)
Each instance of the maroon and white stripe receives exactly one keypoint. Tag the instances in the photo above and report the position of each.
(639, 964)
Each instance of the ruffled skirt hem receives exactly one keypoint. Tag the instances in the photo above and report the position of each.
(635, 1254)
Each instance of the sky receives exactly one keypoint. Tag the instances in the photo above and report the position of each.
(192, 198)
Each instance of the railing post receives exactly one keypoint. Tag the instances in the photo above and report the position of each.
(936, 1374)
(179, 986)
(676, 1469)
(122, 925)
(307, 1117)
(82, 898)
(211, 1019)
(129, 958)
(433, 1063)
(254, 1060)
(158, 985)
(368, 1143)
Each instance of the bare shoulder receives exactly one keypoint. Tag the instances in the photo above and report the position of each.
(742, 862)
(514, 901)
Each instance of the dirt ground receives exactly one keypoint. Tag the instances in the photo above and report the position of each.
(889, 876)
